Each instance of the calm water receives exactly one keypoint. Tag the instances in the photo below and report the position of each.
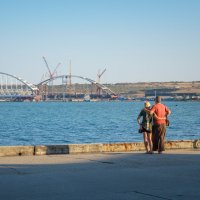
(92, 122)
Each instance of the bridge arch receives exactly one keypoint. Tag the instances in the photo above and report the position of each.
(103, 87)
(31, 86)
(13, 88)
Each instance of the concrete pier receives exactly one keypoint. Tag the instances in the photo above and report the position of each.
(133, 175)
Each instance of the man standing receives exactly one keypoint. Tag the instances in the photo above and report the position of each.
(160, 113)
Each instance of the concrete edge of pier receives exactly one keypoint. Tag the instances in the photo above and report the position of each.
(91, 148)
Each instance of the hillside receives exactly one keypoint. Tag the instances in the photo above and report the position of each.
(142, 89)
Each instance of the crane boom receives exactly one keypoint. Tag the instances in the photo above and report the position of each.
(50, 74)
(98, 81)
(102, 73)
(54, 72)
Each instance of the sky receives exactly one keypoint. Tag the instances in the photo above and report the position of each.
(135, 40)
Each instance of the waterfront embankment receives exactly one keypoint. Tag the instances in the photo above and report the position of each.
(91, 148)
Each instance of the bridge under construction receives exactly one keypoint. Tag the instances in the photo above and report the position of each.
(61, 88)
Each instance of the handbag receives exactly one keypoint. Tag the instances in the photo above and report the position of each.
(139, 130)
(167, 122)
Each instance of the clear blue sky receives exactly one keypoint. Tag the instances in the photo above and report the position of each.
(135, 40)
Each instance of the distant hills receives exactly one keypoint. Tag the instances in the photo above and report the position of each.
(149, 89)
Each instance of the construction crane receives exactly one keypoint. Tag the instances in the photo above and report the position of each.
(99, 75)
(51, 74)
(69, 87)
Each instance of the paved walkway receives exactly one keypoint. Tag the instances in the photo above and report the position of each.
(173, 175)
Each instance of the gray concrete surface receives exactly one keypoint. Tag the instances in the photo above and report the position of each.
(173, 175)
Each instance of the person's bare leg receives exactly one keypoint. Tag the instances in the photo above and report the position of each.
(145, 141)
(149, 138)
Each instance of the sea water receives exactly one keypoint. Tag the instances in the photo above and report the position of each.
(31, 123)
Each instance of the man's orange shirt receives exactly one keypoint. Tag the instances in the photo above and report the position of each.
(161, 111)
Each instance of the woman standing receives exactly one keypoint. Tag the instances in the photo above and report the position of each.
(146, 126)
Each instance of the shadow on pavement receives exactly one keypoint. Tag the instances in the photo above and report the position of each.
(172, 176)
